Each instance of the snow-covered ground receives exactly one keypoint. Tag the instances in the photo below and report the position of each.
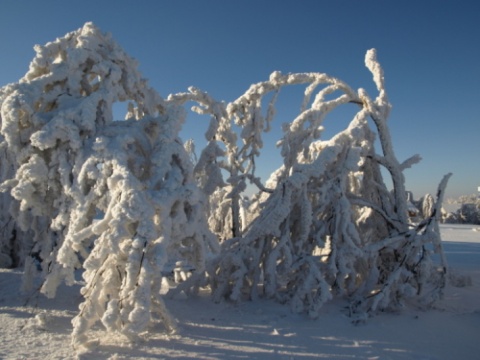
(37, 328)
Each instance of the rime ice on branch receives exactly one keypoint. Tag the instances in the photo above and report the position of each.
(116, 198)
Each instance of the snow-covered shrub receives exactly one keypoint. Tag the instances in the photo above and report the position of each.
(468, 211)
(328, 197)
(117, 199)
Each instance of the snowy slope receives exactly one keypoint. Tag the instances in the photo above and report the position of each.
(261, 329)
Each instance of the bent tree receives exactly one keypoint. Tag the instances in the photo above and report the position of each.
(116, 199)
(326, 225)
(123, 201)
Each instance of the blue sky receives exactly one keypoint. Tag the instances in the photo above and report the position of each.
(429, 50)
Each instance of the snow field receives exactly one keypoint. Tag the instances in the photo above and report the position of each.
(262, 329)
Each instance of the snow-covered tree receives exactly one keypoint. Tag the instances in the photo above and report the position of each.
(117, 199)
(13, 242)
(125, 200)
(468, 211)
(328, 197)
(427, 205)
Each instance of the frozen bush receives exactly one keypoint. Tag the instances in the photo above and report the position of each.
(114, 198)
(326, 192)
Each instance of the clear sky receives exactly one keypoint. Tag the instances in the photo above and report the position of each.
(429, 49)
